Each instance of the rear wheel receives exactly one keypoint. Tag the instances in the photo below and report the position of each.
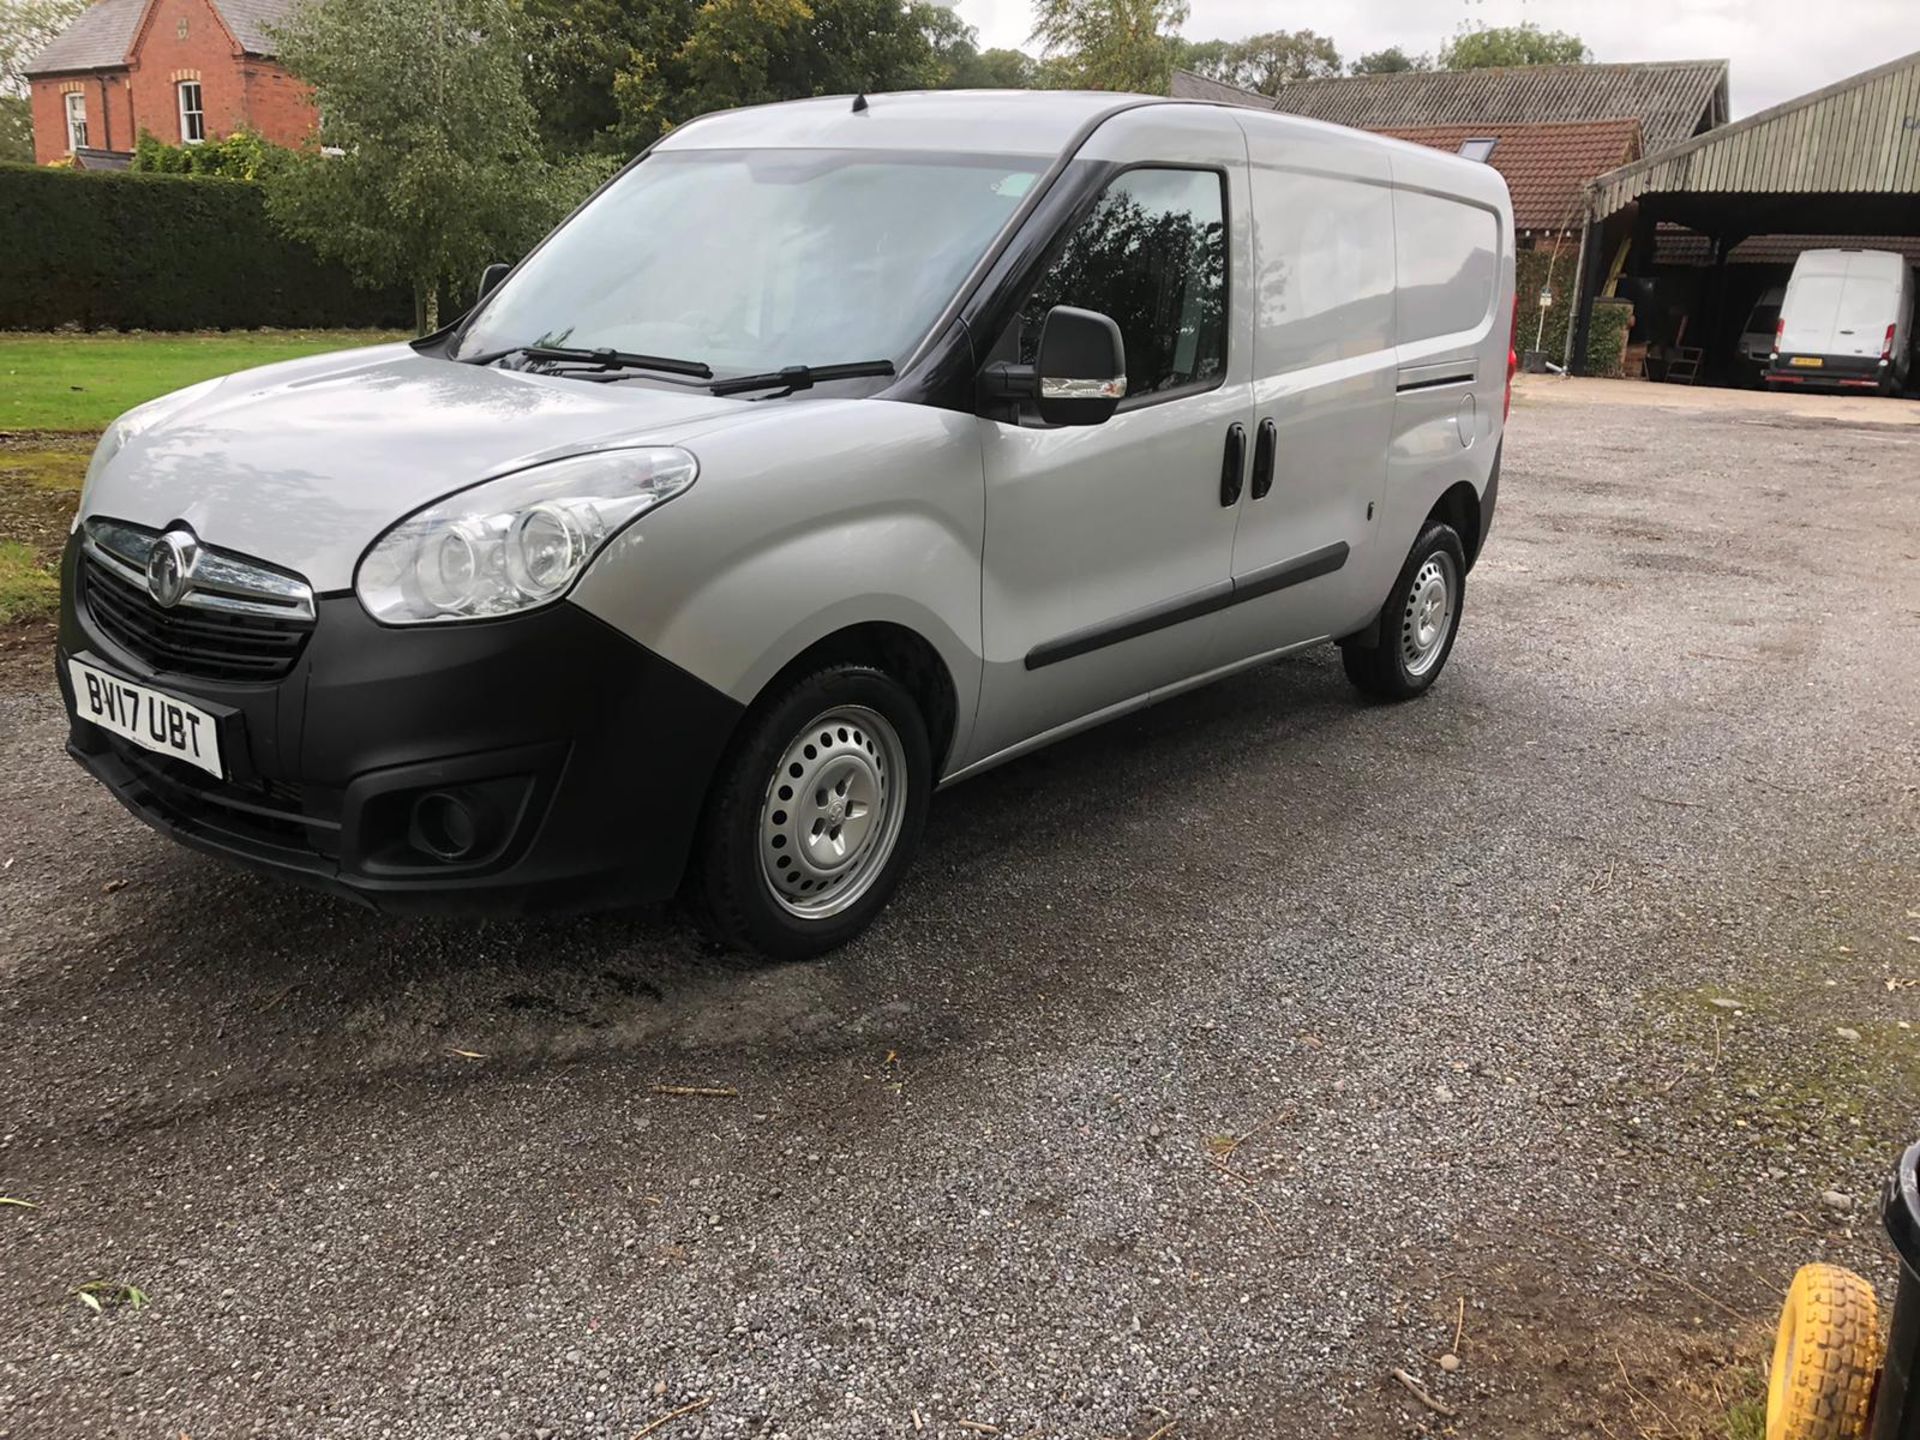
(815, 815)
(1418, 622)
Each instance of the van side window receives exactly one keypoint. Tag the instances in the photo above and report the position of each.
(1153, 256)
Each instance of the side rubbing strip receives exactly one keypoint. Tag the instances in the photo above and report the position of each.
(1191, 606)
(1434, 382)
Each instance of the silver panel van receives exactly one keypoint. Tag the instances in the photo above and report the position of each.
(833, 452)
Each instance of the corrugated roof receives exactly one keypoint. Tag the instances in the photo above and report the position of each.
(97, 40)
(1674, 245)
(1672, 99)
(1855, 136)
(100, 38)
(1546, 167)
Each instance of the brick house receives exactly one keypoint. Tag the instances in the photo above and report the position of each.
(186, 70)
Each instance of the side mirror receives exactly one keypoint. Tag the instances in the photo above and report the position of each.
(491, 278)
(1080, 370)
(1082, 367)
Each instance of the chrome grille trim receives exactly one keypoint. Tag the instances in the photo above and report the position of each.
(218, 582)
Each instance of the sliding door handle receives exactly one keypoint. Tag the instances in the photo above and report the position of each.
(1232, 462)
(1265, 441)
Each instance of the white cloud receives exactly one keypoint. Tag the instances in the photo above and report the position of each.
(1778, 48)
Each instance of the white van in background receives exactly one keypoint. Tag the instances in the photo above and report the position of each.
(1847, 322)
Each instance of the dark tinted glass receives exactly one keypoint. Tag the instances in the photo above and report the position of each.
(1153, 255)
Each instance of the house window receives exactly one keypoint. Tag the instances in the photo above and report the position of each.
(1480, 150)
(193, 121)
(76, 119)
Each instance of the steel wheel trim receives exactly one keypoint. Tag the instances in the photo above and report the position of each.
(832, 812)
(1428, 618)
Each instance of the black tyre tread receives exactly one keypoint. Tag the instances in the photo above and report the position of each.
(1376, 669)
(724, 891)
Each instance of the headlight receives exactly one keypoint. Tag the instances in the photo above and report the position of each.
(137, 420)
(516, 542)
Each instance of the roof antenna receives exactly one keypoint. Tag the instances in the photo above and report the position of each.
(860, 103)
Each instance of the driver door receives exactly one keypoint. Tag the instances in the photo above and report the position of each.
(1108, 548)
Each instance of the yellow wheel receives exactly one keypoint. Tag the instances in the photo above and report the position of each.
(1826, 1357)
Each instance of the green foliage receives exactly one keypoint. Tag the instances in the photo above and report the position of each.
(578, 48)
(1535, 270)
(1488, 47)
(26, 27)
(243, 155)
(1262, 62)
(1390, 61)
(16, 130)
(1110, 44)
(995, 70)
(1607, 337)
(751, 52)
(206, 257)
(439, 167)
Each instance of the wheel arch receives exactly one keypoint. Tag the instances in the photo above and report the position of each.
(903, 653)
(1460, 508)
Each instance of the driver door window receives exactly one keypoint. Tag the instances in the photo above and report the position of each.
(1152, 254)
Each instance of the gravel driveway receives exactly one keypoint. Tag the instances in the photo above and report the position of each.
(1211, 1067)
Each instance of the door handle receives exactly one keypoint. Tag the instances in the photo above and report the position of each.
(1265, 441)
(1232, 463)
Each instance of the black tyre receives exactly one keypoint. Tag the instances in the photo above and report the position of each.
(815, 814)
(1418, 622)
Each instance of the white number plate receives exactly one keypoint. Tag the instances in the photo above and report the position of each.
(150, 719)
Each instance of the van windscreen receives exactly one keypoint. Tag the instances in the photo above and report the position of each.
(751, 260)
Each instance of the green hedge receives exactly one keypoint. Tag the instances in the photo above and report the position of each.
(1530, 276)
(1607, 337)
(163, 252)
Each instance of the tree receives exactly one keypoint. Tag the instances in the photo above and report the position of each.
(964, 66)
(16, 129)
(578, 49)
(26, 28)
(1109, 44)
(1390, 61)
(750, 52)
(1488, 47)
(431, 165)
(1263, 62)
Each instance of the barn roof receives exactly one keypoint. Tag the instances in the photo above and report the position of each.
(1855, 137)
(1672, 99)
(102, 36)
(1546, 167)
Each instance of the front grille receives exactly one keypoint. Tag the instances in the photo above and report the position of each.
(227, 634)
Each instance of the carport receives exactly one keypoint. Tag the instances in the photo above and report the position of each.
(1840, 162)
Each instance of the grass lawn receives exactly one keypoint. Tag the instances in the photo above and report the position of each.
(80, 382)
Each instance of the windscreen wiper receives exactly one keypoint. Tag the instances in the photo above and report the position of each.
(800, 377)
(601, 358)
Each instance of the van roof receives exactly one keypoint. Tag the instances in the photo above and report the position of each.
(1850, 262)
(986, 122)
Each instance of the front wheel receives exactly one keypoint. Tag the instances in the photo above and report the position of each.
(815, 815)
(1418, 622)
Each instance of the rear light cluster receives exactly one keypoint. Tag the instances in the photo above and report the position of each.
(1886, 350)
(1779, 334)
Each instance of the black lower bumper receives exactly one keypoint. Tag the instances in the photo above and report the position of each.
(1834, 372)
(578, 760)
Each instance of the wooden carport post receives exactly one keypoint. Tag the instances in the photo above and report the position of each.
(1586, 287)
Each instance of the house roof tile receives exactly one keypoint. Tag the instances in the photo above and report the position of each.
(1672, 99)
(1546, 167)
(103, 34)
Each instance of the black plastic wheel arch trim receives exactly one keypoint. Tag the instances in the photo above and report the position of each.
(1192, 605)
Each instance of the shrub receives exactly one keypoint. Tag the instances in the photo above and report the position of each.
(163, 252)
(1607, 337)
(243, 155)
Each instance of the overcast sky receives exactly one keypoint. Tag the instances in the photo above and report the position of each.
(1779, 48)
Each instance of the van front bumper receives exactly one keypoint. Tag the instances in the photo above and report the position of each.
(575, 762)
